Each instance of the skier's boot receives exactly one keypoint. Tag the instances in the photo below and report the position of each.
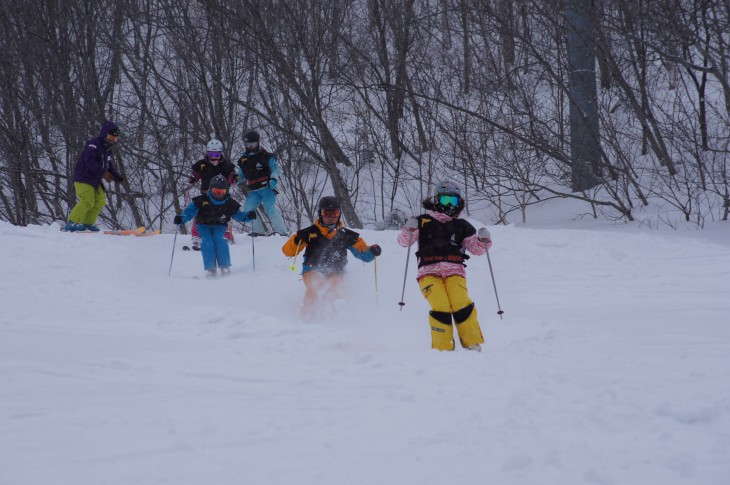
(73, 227)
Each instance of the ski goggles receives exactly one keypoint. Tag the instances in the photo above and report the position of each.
(331, 213)
(218, 192)
(215, 155)
(114, 132)
(449, 199)
(252, 145)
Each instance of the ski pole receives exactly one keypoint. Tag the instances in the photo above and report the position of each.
(293, 267)
(405, 276)
(375, 262)
(253, 251)
(489, 260)
(174, 242)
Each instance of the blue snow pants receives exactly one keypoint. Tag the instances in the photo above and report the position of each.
(214, 246)
(267, 197)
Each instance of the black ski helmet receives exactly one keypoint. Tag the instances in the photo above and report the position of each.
(328, 202)
(219, 182)
(250, 138)
(448, 188)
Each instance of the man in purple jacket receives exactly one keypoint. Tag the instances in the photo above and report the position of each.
(94, 164)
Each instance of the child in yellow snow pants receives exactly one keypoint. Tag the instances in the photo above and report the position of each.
(448, 297)
(443, 240)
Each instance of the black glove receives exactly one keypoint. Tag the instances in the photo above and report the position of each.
(375, 250)
(252, 215)
(178, 219)
(301, 237)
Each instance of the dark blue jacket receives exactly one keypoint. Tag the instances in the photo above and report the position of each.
(96, 158)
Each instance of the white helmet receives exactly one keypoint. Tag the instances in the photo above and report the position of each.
(214, 146)
(448, 187)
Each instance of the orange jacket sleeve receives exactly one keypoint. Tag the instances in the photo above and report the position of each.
(361, 245)
(290, 247)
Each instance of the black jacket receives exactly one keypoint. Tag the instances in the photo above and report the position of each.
(326, 255)
(441, 241)
(213, 213)
(256, 169)
(205, 171)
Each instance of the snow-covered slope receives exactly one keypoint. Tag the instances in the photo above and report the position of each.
(611, 366)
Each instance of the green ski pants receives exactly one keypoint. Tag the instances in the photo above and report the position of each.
(91, 202)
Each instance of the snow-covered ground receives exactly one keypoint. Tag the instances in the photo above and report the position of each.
(611, 365)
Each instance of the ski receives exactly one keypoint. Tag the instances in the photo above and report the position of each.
(147, 233)
(127, 232)
(140, 231)
(214, 274)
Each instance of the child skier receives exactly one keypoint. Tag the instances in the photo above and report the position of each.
(258, 170)
(204, 170)
(325, 245)
(213, 211)
(443, 239)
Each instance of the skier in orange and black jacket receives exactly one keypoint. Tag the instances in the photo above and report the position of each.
(325, 245)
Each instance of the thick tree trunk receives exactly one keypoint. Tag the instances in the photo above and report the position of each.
(584, 127)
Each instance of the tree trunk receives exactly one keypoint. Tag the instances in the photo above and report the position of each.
(584, 128)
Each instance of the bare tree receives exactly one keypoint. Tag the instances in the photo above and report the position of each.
(374, 100)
